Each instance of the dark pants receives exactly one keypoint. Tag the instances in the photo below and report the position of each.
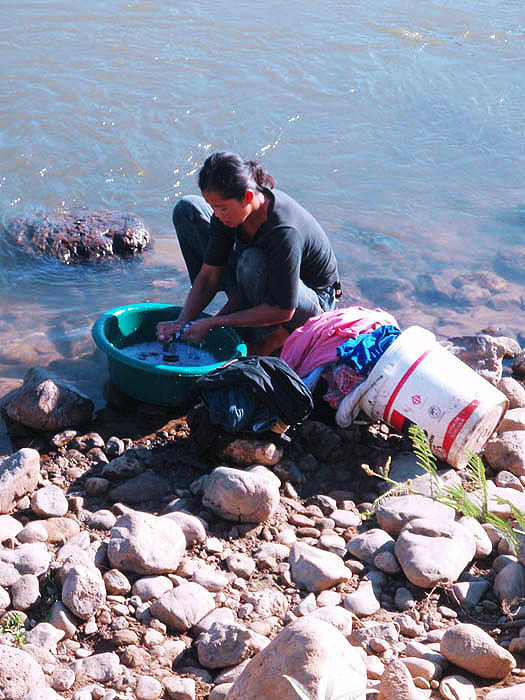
(246, 271)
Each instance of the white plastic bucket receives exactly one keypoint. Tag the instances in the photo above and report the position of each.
(419, 381)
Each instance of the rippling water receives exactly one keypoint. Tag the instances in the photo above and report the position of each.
(398, 124)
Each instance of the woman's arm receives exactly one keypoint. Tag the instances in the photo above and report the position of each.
(201, 293)
(261, 315)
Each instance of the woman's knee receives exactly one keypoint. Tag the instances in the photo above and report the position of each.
(185, 210)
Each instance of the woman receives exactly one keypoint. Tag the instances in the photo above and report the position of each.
(269, 255)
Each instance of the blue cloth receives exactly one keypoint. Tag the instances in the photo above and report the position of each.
(237, 409)
(363, 352)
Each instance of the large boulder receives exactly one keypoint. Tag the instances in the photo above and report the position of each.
(471, 648)
(250, 495)
(47, 402)
(19, 673)
(19, 475)
(306, 650)
(434, 552)
(146, 544)
(80, 235)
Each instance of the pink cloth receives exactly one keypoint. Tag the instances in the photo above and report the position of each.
(315, 343)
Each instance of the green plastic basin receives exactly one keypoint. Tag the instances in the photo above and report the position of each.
(160, 384)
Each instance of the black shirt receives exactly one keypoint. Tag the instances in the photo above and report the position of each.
(295, 245)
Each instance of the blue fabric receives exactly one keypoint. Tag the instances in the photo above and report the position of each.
(237, 409)
(363, 352)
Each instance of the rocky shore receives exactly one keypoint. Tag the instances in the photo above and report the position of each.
(131, 566)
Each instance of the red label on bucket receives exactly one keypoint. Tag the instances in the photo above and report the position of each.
(400, 384)
(456, 424)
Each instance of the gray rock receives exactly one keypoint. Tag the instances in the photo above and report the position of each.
(457, 688)
(368, 544)
(9, 528)
(315, 569)
(240, 564)
(143, 487)
(469, 647)
(483, 543)
(509, 585)
(45, 635)
(151, 587)
(362, 602)
(48, 402)
(228, 644)
(336, 616)
(483, 353)
(102, 668)
(28, 558)
(101, 520)
(116, 582)
(8, 574)
(25, 592)
(193, 527)
(397, 684)
(61, 618)
(83, 591)
(181, 608)
(368, 630)
(179, 688)
(434, 552)
(513, 390)
(516, 692)
(19, 474)
(223, 616)
(124, 467)
(247, 496)
(395, 512)
(512, 420)
(507, 451)
(19, 673)
(469, 593)
(243, 453)
(33, 532)
(148, 688)
(49, 501)
(79, 235)
(307, 650)
(146, 544)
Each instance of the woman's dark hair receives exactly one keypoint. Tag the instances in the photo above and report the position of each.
(230, 175)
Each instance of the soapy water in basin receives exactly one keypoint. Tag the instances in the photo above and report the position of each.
(186, 355)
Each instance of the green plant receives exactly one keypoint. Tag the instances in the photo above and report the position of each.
(468, 498)
(13, 624)
(325, 690)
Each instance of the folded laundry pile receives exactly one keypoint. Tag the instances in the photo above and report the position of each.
(342, 347)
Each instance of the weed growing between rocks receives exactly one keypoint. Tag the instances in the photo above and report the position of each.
(13, 625)
(470, 498)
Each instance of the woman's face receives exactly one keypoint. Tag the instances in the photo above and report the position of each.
(230, 212)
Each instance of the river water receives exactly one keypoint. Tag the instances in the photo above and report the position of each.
(398, 124)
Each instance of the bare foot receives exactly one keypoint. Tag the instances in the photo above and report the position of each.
(270, 344)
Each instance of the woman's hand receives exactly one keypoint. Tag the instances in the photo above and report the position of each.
(166, 329)
(198, 330)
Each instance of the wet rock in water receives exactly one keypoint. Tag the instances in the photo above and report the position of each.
(80, 235)
(471, 648)
(47, 402)
(19, 475)
(519, 366)
(483, 353)
(306, 650)
(512, 260)
(389, 293)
